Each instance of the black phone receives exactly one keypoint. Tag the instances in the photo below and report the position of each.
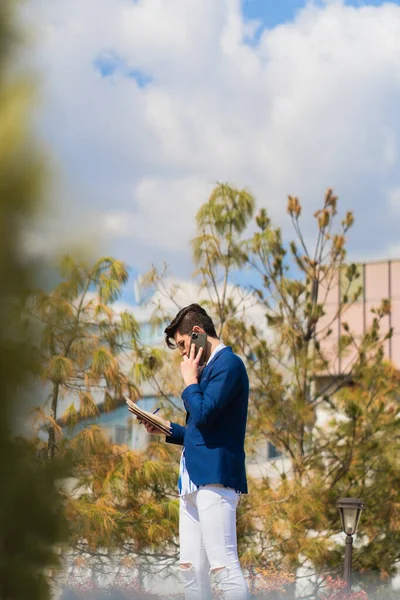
(200, 341)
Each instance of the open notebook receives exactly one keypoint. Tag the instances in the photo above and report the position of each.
(148, 417)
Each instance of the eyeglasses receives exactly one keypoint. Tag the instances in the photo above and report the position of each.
(181, 346)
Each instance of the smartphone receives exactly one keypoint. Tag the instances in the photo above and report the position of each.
(200, 341)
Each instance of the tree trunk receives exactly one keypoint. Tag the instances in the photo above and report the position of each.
(51, 448)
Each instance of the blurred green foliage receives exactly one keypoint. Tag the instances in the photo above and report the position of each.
(31, 507)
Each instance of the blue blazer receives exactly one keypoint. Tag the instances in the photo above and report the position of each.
(214, 434)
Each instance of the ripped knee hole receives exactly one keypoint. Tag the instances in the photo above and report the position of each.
(217, 570)
(185, 566)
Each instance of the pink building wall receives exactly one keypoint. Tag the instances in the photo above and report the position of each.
(379, 280)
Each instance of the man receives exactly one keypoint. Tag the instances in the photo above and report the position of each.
(212, 469)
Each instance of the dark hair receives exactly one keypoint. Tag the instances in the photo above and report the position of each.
(185, 320)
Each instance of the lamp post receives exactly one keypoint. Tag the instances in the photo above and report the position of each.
(350, 512)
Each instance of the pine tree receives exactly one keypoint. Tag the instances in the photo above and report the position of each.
(121, 504)
(82, 341)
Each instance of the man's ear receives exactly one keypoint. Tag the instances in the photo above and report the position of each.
(198, 329)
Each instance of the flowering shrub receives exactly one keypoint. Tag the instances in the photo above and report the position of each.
(263, 581)
(336, 589)
(122, 588)
(80, 587)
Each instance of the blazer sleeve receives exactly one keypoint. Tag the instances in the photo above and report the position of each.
(177, 436)
(226, 380)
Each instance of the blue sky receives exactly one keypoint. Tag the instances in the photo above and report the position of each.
(271, 12)
(275, 12)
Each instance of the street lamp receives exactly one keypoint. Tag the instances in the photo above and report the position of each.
(350, 512)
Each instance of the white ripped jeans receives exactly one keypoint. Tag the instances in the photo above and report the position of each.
(208, 546)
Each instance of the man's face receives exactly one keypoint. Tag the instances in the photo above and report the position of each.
(182, 342)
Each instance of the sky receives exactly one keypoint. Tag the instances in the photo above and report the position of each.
(144, 105)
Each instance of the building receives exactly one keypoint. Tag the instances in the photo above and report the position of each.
(378, 281)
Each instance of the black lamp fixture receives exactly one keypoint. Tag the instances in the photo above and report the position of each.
(350, 513)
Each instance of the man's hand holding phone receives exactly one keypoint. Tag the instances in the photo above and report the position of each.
(190, 366)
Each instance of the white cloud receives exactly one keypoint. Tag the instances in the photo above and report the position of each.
(312, 105)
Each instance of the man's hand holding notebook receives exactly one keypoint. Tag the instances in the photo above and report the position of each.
(156, 422)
